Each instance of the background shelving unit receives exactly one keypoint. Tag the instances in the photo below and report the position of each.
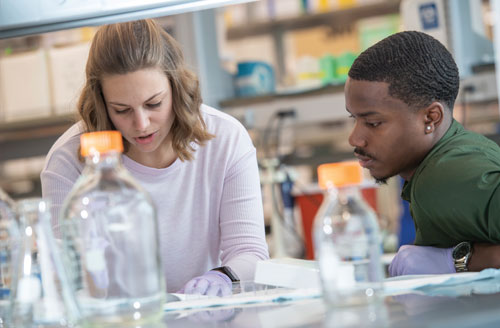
(337, 20)
(33, 137)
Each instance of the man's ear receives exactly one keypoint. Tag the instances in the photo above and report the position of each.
(433, 116)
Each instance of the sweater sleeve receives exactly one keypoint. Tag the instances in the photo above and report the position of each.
(62, 169)
(242, 220)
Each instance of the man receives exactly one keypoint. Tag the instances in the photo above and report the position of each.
(401, 94)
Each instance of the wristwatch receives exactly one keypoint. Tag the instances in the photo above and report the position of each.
(461, 255)
(228, 272)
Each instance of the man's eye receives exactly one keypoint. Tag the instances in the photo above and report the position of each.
(154, 105)
(373, 125)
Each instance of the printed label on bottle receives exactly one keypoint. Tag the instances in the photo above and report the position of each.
(345, 276)
(95, 260)
(29, 290)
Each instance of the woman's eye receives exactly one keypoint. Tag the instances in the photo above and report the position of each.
(154, 105)
(121, 111)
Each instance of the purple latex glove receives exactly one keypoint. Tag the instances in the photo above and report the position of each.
(412, 259)
(212, 283)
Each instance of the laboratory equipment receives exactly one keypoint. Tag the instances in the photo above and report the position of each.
(108, 230)
(42, 297)
(9, 242)
(346, 238)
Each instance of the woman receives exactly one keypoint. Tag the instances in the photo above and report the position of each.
(198, 164)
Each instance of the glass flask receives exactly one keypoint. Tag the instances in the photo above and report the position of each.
(42, 297)
(108, 230)
(9, 245)
(346, 238)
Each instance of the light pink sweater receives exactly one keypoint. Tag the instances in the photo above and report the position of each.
(209, 209)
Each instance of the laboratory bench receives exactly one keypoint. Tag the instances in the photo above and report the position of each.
(472, 304)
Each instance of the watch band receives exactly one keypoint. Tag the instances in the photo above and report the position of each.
(228, 272)
(461, 255)
(461, 264)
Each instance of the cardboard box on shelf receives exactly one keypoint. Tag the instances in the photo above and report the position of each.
(24, 86)
(67, 75)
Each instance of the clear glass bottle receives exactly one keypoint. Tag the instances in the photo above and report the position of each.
(42, 297)
(346, 238)
(108, 228)
(9, 245)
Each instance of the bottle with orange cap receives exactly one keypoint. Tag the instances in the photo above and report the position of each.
(108, 231)
(346, 238)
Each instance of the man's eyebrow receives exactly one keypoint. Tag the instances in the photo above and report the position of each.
(365, 114)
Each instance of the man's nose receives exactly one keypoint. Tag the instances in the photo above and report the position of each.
(357, 138)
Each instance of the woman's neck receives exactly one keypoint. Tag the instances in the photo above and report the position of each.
(161, 158)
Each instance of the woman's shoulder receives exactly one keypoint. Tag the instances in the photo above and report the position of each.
(217, 121)
(67, 144)
(229, 133)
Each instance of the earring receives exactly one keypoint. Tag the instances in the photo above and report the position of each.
(428, 128)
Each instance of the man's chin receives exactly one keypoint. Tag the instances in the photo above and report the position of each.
(380, 179)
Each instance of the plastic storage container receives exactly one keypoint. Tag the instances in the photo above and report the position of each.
(346, 238)
(109, 235)
(254, 78)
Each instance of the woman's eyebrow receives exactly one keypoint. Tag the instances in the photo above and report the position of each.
(120, 104)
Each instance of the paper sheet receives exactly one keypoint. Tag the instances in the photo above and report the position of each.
(261, 296)
(392, 286)
(403, 284)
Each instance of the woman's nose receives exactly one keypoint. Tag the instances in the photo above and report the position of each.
(141, 119)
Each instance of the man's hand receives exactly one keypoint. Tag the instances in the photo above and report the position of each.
(412, 259)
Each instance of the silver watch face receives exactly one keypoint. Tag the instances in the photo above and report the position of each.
(461, 250)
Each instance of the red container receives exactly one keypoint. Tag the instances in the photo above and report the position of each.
(309, 204)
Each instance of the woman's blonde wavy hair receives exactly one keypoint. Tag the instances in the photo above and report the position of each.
(127, 47)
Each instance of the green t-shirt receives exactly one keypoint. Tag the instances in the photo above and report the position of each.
(454, 194)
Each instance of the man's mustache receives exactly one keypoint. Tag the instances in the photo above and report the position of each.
(361, 152)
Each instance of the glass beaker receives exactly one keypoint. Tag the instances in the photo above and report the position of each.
(42, 297)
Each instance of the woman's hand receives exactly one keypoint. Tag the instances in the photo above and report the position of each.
(212, 283)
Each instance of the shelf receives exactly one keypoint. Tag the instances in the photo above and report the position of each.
(35, 128)
(338, 19)
(246, 101)
(32, 137)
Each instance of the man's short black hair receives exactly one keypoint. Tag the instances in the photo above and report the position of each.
(418, 68)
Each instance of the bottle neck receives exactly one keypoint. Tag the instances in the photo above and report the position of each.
(100, 161)
(351, 190)
(345, 193)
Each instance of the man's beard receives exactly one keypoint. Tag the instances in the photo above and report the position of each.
(381, 181)
(360, 151)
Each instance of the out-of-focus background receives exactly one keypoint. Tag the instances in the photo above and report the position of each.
(278, 66)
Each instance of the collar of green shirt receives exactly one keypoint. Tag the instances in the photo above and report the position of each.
(452, 130)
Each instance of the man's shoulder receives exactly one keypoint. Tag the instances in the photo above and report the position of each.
(463, 159)
(468, 146)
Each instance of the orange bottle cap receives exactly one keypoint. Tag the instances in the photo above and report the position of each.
(340, 174)
(101, 142)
